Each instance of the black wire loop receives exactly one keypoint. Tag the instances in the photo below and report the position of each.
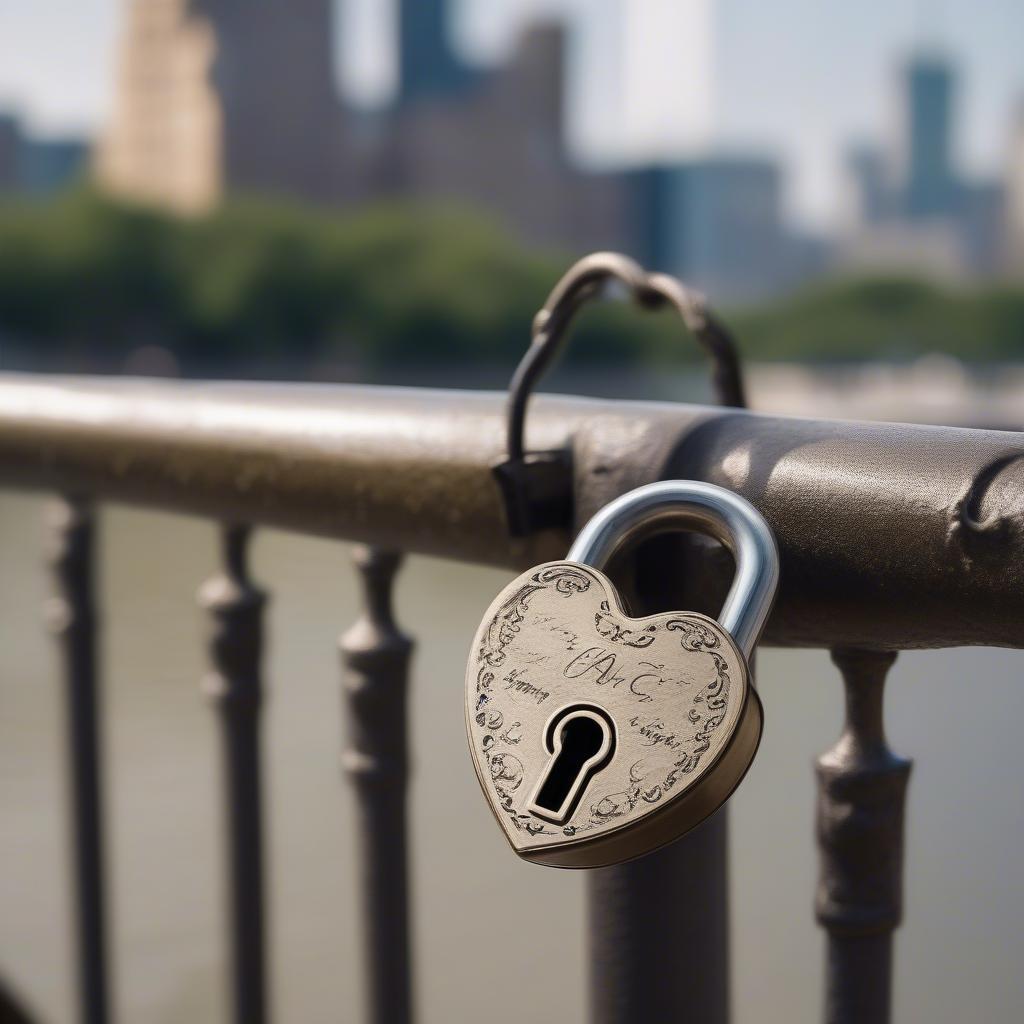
(536, 486)
(585, 281)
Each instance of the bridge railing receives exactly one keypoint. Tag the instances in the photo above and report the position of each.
(891, 537)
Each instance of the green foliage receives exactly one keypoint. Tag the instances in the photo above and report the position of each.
(401, 285)
(272, 280)
(890, 319)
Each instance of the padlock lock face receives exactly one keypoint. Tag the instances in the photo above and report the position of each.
(598, 737)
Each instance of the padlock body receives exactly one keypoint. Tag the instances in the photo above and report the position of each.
(686, 722)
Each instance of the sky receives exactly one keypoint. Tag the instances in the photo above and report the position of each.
(798, 80)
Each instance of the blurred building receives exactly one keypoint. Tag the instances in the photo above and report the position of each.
(717, 222)
(214, 96)
(929, 183)
(1015, 195)
(500, 147)
(427, 65)
(912, 210)
(10, 156)
(871, 194)
(34, 166)
(983, 228)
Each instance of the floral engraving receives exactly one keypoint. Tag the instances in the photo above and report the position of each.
(505, 769)
(533, 657)
(613, 629)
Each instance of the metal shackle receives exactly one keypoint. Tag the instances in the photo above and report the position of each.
(703, 508)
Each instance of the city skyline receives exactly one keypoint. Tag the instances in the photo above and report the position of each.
(763, 71)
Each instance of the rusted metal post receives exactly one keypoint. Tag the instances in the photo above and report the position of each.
(376, 654)
(72, 617)
(861, 795)
(235, 607)
(659, 926)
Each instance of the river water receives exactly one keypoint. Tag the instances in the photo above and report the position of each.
(497, 939)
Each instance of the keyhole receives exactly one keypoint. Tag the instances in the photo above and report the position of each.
(581, 740)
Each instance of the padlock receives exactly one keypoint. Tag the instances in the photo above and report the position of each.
(598, 737)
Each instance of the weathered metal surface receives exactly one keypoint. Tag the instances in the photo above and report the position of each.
(72, 617)
(891, 536)
(235, 607)
(658, 933)
(375, 654)
(861, 793)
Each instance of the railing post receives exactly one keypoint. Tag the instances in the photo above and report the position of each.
(72, 617)
(861, 797)
(658, 932)
(235, 608)
(376, 654)
(659, 926)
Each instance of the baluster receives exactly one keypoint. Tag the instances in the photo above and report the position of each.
(861, 794)
(658, 927)
(375, 654)
(658, 932)
(235, 607)
(72, 617)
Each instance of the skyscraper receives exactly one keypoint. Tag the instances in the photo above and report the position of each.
(919, 213)
(1015, 194)
(716, 222)
(427, 64)
(871, 200)
(930, 188)
(214, 94)
(37, 166)
(10, 144)
(163, 140)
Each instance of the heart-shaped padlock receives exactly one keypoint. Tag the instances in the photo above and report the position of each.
(598, 737)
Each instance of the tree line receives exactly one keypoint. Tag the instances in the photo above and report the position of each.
(276, 281)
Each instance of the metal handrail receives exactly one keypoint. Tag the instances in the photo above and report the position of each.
(890, 535)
